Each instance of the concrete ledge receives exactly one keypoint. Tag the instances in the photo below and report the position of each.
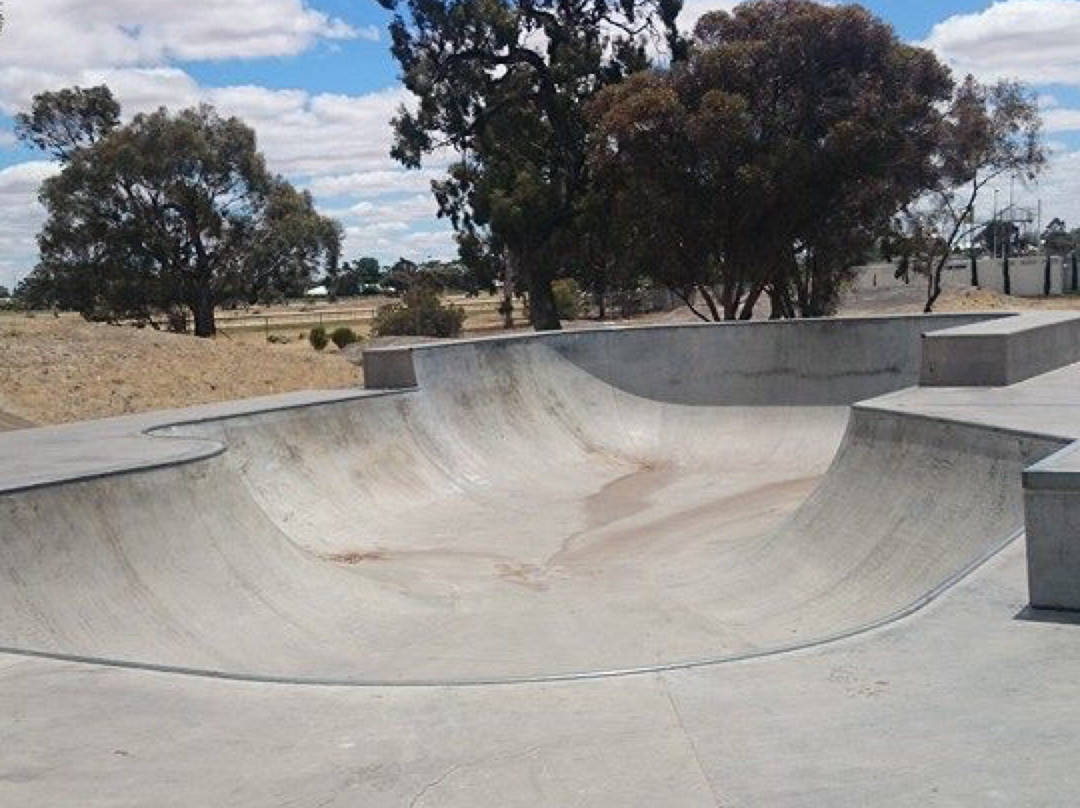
(997, 353)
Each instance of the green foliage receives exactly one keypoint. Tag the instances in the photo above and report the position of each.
(67, 120)
(764, 164)
(317, 337)
(1057, 239)
(420, 314)
(355, 278)
(567, 294)
(504, 83)
(343, 336)
(402, 276)
(169, 210)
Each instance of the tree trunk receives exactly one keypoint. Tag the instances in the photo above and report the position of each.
(1074, 272)
(710, 302)
(776, 305)
(1006, 280)
(974, 270)
(542, 309)
(202, 310)
(933, 291)
(731, 295)
(508, 291)
(1046, 277)
(751, 301)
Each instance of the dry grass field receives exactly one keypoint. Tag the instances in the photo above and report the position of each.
(294, 320)
(55, 369)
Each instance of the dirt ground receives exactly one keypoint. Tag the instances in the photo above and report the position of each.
(57, 369)
(910, 300)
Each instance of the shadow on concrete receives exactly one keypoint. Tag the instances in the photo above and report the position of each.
(1031, 614)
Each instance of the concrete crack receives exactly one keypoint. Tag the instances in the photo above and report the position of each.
(433, 785)
(689, 742)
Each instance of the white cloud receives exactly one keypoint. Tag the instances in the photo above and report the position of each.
(379, 181)
(317, 135)
(692, 11)
(126, 32)
(390, 240)
(21, 216)
(1029, 40)
(325, 141)
(55, 43)
(22, 180)
(1061, 119)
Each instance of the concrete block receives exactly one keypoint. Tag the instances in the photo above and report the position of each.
(1052, 522)
(1000, 352)
(389, 369)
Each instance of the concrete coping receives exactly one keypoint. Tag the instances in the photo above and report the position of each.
(1008, 323)
(607, 326)
(85, 450)
(390, 366)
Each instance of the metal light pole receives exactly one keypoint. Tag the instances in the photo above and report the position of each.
(994, 232)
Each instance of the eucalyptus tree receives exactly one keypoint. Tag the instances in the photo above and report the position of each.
(171, 211)
(502, 84)
(770, 158)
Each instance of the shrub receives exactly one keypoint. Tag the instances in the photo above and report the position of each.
(420, 314)
(277, 339)
(317, 337)
(567, 295)
(343, 336)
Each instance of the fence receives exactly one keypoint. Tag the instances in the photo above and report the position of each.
(363, 315)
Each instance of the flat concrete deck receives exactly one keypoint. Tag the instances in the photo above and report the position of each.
(592, 603)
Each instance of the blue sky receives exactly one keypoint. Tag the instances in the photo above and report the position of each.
(315, 79)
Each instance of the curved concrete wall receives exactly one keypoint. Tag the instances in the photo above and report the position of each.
(785, 362)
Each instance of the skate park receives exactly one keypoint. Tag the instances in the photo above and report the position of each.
(763, 563)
